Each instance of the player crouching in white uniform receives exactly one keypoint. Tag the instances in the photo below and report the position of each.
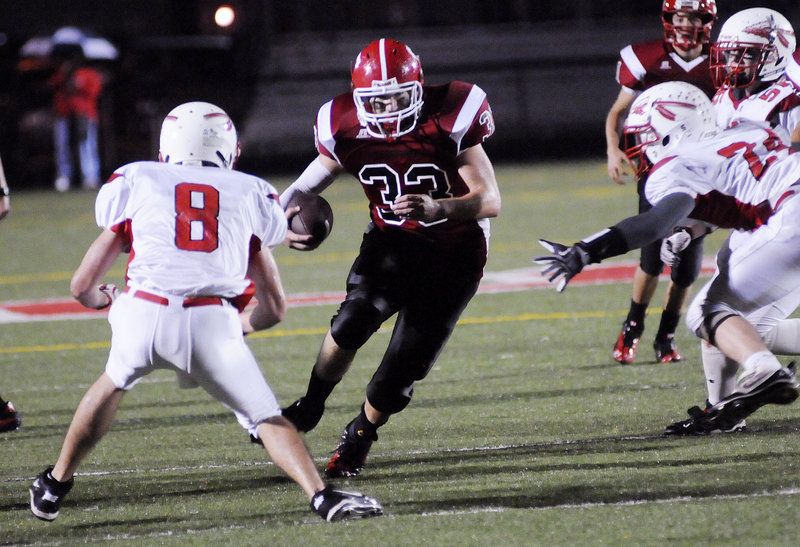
(198, 233)
(744, 177)
(748, 63)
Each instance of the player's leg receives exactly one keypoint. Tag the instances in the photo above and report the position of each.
(681, 279)
(224, 366)
(645, 282)
(421, 331)
(92, 419)
(372, 284)
(128, 361)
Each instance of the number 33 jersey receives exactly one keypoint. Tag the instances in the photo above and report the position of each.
(454, 117)
(190, 228)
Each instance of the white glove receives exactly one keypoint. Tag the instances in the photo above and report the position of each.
(672, 246)
(111, 292)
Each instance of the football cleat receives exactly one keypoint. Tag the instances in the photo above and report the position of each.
(627, 342)
(756, 388)
(704, 421)
(666, 352)
(47, 494)
(337, 505)
(349, 457)
(304, 413)
(9, 418)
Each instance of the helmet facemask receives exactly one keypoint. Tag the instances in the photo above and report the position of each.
(388, 109)
(688, 36)
(738, 64)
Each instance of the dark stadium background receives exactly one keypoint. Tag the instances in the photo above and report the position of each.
(547, 66)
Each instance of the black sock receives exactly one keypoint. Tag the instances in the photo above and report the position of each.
(668, 325)
(636, 313)
(319, 389)
(363, 427)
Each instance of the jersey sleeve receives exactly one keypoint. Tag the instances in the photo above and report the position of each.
(110, 208)
(630, 70)
(670, 177)
(474, 122)
(273, 224)
(323, 132)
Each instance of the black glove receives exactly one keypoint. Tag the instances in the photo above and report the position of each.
(565, 262)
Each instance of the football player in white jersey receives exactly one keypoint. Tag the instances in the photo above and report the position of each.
(748, 63)
(198, 233)
(745, 178)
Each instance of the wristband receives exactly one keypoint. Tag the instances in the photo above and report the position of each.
(605, 244)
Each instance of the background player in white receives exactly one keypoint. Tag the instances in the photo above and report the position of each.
(744, 177)
(417, 152)
(682, 55)
(198, 233)
(748, 63)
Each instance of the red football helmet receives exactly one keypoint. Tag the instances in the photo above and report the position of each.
(687, 36)
(387, 88)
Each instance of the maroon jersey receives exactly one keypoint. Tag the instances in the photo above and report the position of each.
(455, 116)
(644, 65)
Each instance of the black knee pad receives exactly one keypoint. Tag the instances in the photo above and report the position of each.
(650, 260)
(354, 323)
(711, 323)
(689, 267)
(387, 398)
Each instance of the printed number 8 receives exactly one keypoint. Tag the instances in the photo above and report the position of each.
(197, 218)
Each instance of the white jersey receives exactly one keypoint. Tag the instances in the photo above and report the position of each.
(190, 228)
(778, 105)
(737, 178)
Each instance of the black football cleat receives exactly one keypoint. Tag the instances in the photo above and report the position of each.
(337, 505)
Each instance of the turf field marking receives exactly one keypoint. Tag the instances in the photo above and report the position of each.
(521, 279)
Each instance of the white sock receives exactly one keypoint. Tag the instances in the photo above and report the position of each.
(720, 373)
(761, 360)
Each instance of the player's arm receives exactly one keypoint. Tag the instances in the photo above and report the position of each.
(632, 233)
(616, 157)
(99, 258)
(271, 307)
(482, 200)
(319, 174)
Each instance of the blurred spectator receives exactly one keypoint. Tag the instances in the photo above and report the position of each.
(76, 91)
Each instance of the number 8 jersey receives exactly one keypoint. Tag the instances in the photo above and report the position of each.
(190, 228)
(455, 117)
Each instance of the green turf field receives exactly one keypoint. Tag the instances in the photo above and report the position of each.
(525, 433)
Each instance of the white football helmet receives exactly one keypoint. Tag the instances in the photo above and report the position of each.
(755, 43)
(199, 133)
(664, 116)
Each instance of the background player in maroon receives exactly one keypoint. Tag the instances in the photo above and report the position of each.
(681, 56)
(418, 154)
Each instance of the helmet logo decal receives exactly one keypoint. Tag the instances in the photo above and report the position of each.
(663, 108)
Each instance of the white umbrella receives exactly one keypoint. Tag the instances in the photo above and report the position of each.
(91, 46)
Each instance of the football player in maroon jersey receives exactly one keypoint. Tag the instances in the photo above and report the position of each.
(417, 152)
(681, 55)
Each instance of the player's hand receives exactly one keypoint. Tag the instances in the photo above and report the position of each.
(417, 207)
(294, 240)
(565, 262)
(672, 246)
(110, 291)
(617, 170)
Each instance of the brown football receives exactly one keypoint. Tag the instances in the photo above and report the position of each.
(315, 218)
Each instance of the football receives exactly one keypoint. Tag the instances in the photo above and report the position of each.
(315, 218)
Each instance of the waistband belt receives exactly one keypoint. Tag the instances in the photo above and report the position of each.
(190, 302)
